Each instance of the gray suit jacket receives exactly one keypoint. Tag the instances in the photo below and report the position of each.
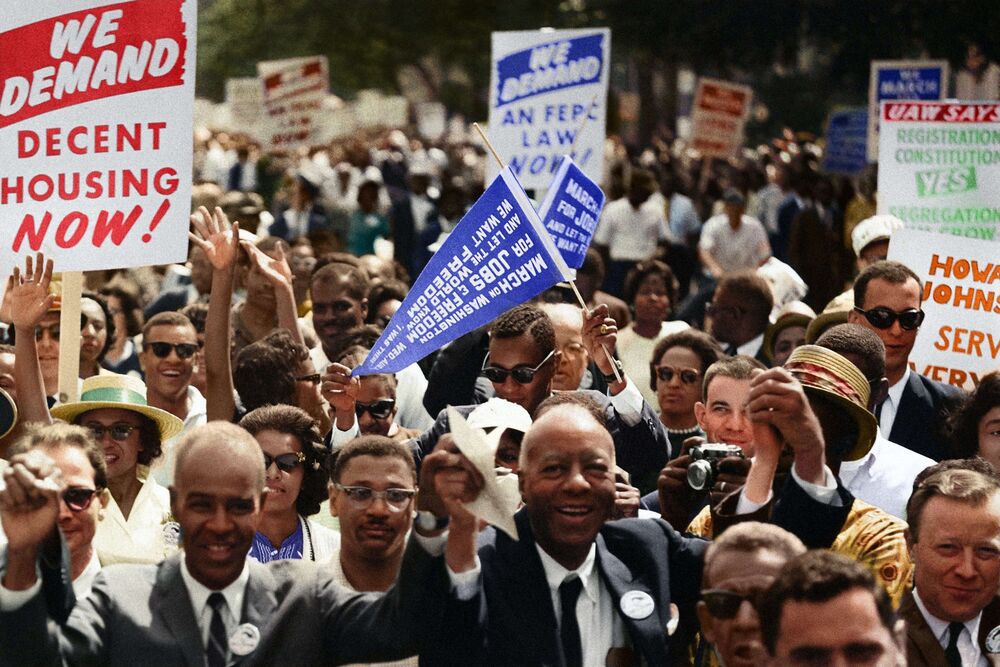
(142, 614)
(922, 647)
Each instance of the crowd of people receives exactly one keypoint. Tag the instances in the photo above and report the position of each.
(725, 458)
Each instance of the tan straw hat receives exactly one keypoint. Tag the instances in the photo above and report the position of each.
(122, 392)
(827, 374)
(792, 314)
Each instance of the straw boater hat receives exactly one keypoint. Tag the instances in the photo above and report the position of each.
(827, 374)
(835, 313)
(8, 413)
(122, 392)
(792, 314)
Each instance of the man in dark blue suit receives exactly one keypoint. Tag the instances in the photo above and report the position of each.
(410, 216)
(632, 584)
(887, 299)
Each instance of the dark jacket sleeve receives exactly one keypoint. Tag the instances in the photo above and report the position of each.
(452, 380)
(816, 524)
(643, 449)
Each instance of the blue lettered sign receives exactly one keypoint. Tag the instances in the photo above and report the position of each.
(902, 80)
(548, 98)
(498, 256)
(846, 139)
(570, 211)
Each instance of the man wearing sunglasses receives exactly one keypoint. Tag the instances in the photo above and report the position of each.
(80, 461)
(169, 346)
(887, 300)
(739, 567)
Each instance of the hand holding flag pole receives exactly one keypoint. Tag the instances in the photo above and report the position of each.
(572, 284)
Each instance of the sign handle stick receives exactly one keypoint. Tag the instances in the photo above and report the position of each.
(69, 341)
(496, 156)
(583, 304)
(579, 130)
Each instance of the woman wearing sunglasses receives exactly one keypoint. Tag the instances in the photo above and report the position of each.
(296, 477)
(651, 289)
(81, 464)
(676, 370)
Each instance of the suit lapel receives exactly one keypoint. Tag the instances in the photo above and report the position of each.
(922, 647)
(910, 402)
(989, 621)
(648, 634)
(172, 607)
(259, 603)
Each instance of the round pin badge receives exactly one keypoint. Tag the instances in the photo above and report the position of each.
(637, 605)
(171, 533)
(993, 640)
(244, 639)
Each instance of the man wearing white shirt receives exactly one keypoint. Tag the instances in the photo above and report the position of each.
(210, 606)
(954, 538)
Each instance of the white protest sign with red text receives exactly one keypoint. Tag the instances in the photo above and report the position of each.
(96, 104)
(959, 340)
(292, 91)
(719, 116)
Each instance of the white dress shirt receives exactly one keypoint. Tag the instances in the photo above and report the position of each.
(884, 476)
(232, 611)
(891, 403)
(752, 346)
(83, 583)
(968, 640)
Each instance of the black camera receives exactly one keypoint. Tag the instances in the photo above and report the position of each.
(705, 466)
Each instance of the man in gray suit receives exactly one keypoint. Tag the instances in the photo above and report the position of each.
(210, 605)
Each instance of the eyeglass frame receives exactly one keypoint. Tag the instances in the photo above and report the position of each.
(94, 427)
(79, 507)
(348, 490)
(510, 372)
(753, 598)
(894, 316)
(300, 458)
(361, 408)
(173, 347)
(676, 370)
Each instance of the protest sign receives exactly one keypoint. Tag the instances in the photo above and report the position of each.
(548, 97)
(432, 120)
(570, 211)
(245, 105)
(498, 256)
(372, 109)
(96, 110)
(959, 340)
(846, 142)
(719, 117)
(292, 92)
(902, 80)
(940, 166)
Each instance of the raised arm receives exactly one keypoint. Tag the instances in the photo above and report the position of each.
(220, 242)
(29, 299)
(278, 273)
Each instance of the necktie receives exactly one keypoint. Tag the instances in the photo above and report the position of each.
(951, 653)
(569, 628)
(218, 643)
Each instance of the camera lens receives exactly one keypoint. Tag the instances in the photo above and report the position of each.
(699, 475)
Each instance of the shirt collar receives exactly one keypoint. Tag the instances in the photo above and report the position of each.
(896, 390)
(940, 628)
(868, 460)
(233, 593)
(752, 346)
(555, 573)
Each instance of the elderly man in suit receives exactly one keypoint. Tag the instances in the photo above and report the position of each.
(953, 612)
(210, 606)
(887, 299)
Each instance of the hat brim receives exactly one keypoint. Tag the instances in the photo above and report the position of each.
(823, 322)
(784, 322)
(8, 414)
(867, 426)
(168, 424)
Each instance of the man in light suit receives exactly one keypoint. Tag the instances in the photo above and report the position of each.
(887, 300)
(212, 605)
(953, 612)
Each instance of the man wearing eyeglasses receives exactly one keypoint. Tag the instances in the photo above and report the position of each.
(169, 345)
(739, 567)
(887, 300)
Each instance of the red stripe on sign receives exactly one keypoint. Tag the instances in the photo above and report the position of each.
(940, 112)
(314, 67)
(90, 55)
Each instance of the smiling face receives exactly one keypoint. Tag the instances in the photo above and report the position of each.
(77, 527)
(335, 311)
(723, 416)
(121, 456)
(373, 532)
(167, 378)
(217, 500)
(282, 487)
(956, 557)
(567, 481)
(738, 639)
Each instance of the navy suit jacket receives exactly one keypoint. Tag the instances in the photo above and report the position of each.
(919, 420)
(512, 620)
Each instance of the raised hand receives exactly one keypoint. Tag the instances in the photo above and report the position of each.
(27, 294)
(275, 269)
(216, 237)
(29, 500)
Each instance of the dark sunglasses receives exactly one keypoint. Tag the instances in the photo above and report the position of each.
(56, 329)
(377, 409)
(78, 498)
(286, 462)
(119, 432)
(882, 318)
(724, 604)
(688, 375)
(521, 374)
(162, 349)
(312, 378)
